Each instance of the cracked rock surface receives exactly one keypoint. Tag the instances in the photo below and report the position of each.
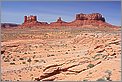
(60, 55)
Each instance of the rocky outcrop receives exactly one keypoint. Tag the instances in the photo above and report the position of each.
(94, 19)
(59, 22)
(94, 16)
(31, 21)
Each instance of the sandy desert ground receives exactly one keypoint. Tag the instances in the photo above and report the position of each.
(60, 54)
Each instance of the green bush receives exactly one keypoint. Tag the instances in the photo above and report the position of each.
(90, 66)
(97, 55)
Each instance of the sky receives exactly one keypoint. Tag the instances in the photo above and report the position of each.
(14, 11)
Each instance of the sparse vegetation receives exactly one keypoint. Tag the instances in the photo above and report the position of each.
(109, 72)
(34, 56)
(36, 60)
(104, 56)
(59, 54)
(85, 80)
(21, 58)
(96, 56)
(3, 57)
(101, 79)
(29, 60)
(24, 62)
(90, 66)
(25, 53)
(6, 60)
(50, 55)
(12, 63)
(14, 60)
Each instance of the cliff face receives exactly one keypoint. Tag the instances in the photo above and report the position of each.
(94, 19)
(94, 16)
(32, 21)
(59, 22)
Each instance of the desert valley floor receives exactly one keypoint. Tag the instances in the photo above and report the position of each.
(60, 54)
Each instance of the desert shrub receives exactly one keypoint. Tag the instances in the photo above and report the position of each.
(12, 63)
(109, 72)
(97, 55)
(34, 56)
(66, 53)
(21, 58)
(85, 80)
(2, 52)
(97, 58)
(14, 60)
(36, 60)
(90, 66)
(104, 56)
(24, 62)
(25, 53)
(50, 55)
(6, 60)
(101, 79)
(34, 52)
(3, 57)
(29, 60)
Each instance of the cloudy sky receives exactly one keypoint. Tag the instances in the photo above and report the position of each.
(14, 11)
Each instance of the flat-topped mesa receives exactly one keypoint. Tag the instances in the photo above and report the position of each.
(81, 20)
(28, 19)
(32, 21)
(93, 16)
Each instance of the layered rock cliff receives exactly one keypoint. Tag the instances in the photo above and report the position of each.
(94, 19)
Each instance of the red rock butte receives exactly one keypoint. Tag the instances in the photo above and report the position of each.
(94, 19)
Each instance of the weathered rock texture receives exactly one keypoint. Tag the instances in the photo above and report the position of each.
(32, 21)
(59, 22)
(94, 19)
(94, 16)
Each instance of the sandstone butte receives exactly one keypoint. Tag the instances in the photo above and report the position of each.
(94, 19)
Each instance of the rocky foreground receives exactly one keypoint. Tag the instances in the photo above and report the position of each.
(60, 55)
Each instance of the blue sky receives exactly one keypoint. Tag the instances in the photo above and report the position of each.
(14, 11)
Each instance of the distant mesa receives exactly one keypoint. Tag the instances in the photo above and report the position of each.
(8, 25)
(94, 16)
(32, 21)
(94, 19)
(59, 22)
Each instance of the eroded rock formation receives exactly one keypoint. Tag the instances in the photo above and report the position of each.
(94, 16)
(59, 22)
(32, 21)
(94, 19)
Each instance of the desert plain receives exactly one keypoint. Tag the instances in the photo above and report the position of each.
(60, 54)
